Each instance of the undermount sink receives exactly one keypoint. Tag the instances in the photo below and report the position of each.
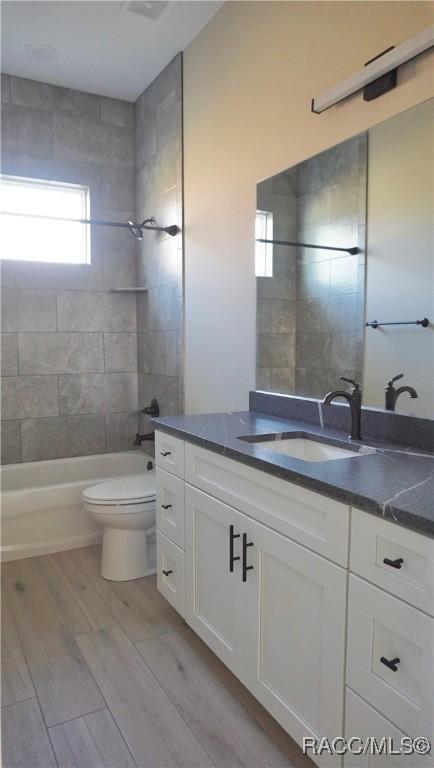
(304, 448)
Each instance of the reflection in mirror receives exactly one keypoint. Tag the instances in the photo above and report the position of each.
(350, 227)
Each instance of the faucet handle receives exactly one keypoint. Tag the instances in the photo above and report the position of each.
(395, 378)
(351, 381)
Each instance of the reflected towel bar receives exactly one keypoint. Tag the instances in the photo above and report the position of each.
(424, 323)
(353, 251)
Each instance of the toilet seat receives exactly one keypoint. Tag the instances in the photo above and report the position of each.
(125, 491)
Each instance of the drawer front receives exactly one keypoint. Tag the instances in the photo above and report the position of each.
(170, 506)
(169, 453)
(315, 521)
(362, 721)
(170, 573)
(382, 628)
(398, 560)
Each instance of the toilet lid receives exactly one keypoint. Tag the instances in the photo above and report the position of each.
(127, 490)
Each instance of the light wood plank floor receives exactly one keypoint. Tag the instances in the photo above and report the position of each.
(97, 674)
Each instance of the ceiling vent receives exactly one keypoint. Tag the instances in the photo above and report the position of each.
(149, 9)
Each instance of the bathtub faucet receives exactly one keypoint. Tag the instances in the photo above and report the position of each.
(140, 438)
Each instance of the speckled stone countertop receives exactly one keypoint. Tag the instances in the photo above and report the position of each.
(394, 482)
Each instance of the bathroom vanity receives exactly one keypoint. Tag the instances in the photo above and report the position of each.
(320, 601)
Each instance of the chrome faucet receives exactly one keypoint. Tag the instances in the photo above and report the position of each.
(354, 399)
(392, 394)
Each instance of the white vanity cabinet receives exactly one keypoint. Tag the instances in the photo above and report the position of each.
(266, 567)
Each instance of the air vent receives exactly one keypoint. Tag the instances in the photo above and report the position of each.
(149, 9)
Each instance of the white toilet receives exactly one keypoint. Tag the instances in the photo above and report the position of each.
(126, 509)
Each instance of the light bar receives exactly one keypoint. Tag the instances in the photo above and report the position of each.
(394, 58)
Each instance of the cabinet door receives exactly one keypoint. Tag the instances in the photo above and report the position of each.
(296, 605)
(215, 594)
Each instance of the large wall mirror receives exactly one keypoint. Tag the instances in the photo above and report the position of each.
(344, 240)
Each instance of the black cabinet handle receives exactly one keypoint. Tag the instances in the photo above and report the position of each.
(394, 563)
(165, 453)
(232, 558)
(391, 664)
(166, 506)
(245, 566)
(167, 573)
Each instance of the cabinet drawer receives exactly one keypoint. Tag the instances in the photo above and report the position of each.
(315, 521)
(170, 573)
(363, 721)
(169, 453)
(398, 560)
(170, 506)
(382, 627)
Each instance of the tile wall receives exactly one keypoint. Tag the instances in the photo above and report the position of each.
(69, 347)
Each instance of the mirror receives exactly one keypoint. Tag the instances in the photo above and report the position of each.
(344, 240)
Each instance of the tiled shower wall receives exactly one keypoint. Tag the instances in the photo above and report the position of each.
(158, 148)
(310, 313)
(69, 352)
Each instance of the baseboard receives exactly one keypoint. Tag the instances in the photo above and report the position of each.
(21, 551)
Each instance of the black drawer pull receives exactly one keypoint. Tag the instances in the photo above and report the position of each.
(167, 573)
(165, 453)
(393, 665)
(245, 566)
(166, 506)
(232, 558)
(394, 563)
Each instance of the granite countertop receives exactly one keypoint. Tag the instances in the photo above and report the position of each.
(394, 482)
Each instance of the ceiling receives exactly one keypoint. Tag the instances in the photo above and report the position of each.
(100, 47)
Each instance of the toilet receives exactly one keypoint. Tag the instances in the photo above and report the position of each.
(126, 509)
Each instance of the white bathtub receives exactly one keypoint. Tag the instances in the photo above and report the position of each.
(41, 508)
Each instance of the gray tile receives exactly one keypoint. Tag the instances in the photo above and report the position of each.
(168, 114)
(87, 140)
(263, 379)
(165, 389)
(160, 308)
(9, 354)
(28, 310)
(118, 188)
(313, 279)
(32, 93)
(283, 380)
(314, 209)
(28, 130)
(120, 351)
(283, 317)
(119, 269)
(344, 275)
(97, 393)
(26, 397)
(345, 197)
(121, 430)
(85, 311)
(263, 315)
(62, 437)
(313, 350)
(160, 353)
(145, 140)
(275, 350)
(60, 276)
(5, 88)
(281, 287)
(60, 352)
(117, 112)
(77, 103)
(7, 273)
(10, 442)
(344, 351)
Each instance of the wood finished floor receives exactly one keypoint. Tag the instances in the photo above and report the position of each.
(98, 674)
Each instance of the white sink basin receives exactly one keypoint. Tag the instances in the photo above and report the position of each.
(307, 450)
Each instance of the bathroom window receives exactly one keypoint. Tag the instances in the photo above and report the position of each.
(264, 251)
(39, 221)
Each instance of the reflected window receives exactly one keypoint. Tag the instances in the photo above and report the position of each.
(264, 251)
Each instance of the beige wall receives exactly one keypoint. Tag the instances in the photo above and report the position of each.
(248, 81)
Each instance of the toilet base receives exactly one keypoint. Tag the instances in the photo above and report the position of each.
(125, 555)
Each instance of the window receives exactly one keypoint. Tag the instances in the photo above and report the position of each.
(264, 251)
(39, 221)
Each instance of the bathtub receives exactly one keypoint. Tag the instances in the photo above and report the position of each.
(41, 509)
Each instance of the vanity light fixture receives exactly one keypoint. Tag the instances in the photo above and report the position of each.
(375, 70)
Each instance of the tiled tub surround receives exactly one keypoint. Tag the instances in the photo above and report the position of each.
(390, 482)
(310, 314)
(158, 157)
(69, 348)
